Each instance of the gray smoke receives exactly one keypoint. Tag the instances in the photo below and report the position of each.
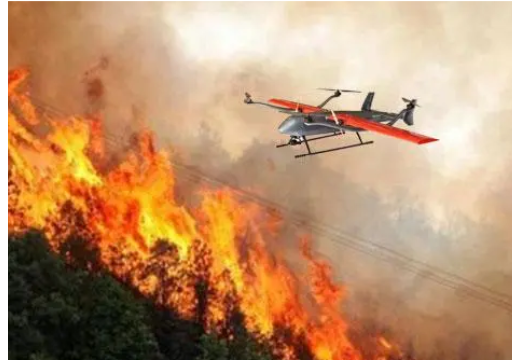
(186, 66)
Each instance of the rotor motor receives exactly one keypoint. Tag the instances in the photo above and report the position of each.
(410, 107)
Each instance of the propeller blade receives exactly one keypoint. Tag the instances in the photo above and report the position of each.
(413, 101)
(341, 90)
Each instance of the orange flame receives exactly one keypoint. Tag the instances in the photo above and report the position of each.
(131, 207)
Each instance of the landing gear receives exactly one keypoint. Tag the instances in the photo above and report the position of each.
(295, 140)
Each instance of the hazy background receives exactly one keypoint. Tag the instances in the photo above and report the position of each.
(185, 67)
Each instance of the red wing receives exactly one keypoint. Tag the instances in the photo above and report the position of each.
(291, 105)
(383, 129)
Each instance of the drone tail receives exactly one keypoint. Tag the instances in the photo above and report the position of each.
(408, 111)
(408, 116)
(405, 114)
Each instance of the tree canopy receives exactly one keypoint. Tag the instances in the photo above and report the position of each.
(56, 312)
(72, 310)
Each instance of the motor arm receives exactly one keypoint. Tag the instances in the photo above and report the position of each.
(248, 100)
(336, 94)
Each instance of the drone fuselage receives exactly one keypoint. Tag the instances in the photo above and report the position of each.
(295, 125)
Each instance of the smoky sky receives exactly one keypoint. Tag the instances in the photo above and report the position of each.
(185, 67)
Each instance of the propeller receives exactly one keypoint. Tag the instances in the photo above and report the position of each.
(412, 102)
(340, 90)
(408, 112)
(248, 99)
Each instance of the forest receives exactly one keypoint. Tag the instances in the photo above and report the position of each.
(63, 305)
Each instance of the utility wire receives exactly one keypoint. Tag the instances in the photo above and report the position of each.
(349, 240)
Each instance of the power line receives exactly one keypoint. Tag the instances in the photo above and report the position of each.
(435, 274)
(375, 250)
(422, 269)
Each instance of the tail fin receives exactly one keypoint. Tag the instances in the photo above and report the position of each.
(367, 104)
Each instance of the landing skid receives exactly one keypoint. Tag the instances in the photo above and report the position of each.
(310, 152)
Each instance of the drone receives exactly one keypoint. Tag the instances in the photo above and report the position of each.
(308, 123)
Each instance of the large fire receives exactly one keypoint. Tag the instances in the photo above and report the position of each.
(130, 211)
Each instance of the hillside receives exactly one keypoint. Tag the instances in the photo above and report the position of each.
(62, 310)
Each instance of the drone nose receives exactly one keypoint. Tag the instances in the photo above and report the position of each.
(286, 126)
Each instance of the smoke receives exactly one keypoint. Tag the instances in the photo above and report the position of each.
(185, 66)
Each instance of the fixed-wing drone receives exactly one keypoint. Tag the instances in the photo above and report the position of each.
(309, 123)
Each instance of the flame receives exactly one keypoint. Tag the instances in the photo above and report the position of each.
(384, 342)
(131, 209)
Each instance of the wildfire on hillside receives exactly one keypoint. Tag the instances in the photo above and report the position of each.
(130, 214)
